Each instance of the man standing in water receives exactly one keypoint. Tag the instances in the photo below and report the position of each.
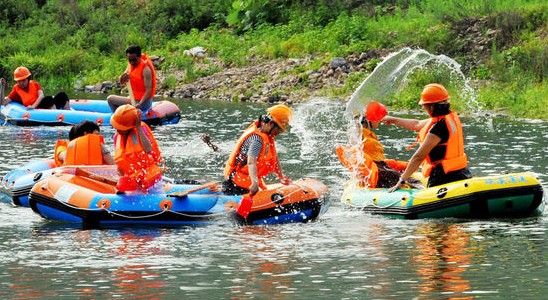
(142, 81)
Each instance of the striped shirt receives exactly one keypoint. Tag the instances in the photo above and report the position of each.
(250, 147)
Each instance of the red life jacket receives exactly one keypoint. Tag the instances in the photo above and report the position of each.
(266, 161)
(455, 158)
(136, 78)
(134, 162)
(29, 96)
(85, 150)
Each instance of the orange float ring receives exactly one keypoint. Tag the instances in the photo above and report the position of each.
(231, 206)
(26, 116)
(60, 117)
(99, 121)
(166, 204)
(103, 204)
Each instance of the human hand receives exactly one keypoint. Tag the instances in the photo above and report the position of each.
(285, 180)
(388, 120)
(254, 188)
(124, 78)
(394, 188)
(138, 118)
(30, 107)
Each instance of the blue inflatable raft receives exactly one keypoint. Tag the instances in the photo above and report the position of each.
(86, 196)
(162, 113)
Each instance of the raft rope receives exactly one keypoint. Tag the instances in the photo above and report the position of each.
(163, 211)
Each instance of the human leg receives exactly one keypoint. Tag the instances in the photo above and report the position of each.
(62, 101)
(114, 101)
(46, 103)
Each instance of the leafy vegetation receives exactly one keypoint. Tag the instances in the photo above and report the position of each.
(501, 44)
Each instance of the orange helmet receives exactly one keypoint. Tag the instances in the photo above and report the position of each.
(375, 111)
(433, 93)
(124, 117)
(21, 73)
(281, 114)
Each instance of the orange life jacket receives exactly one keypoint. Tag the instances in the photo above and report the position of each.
(85, 150)
(364, 170)
(136, 78)
(266, 161)
(455, 158)
(60, 146)
(134, 162)
(29, 96)
(371, 145)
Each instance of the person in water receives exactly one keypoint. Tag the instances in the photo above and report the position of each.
(254, 156)
(441, 151)
(29, 93)
(374, 170)
(136, 152)
(141, 75)
(86, 146)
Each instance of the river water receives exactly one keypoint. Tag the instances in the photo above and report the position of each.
(342, 255)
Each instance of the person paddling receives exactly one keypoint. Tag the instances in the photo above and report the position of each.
(441, 151)
(141, 75)
(254, 156)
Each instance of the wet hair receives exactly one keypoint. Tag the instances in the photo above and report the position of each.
(134, 49)
(440, 109)
(81, 129)
(364, 121)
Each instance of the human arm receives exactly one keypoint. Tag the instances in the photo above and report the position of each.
(283, 180)
(107, 158)
(411, 124)
(38, 100)
(418, 157)
(147, 78)
(253, 174)
(124, 77)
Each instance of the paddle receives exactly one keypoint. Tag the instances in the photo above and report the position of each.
(209, 185)
(130, 91)
(88, 174)
(245, 206)
(2, 85)
(207, 139)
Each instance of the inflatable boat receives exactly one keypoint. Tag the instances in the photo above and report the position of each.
(18, 182)
(162, 113)
(498, 196)
(87, 196)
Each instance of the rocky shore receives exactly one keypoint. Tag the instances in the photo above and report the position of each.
(271, 81)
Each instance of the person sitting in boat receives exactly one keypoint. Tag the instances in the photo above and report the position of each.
(441, 150)
(375, 170)
(136, 152)
(141, 75)
(86, 146)
(29, 93)
(254, 156)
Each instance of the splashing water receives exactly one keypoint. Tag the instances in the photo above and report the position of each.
(388, 78)
(391, 74)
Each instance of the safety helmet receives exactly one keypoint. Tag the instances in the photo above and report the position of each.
(433, 93)
(21, 73)
(281, 114)
(124, 117)
(375, 111)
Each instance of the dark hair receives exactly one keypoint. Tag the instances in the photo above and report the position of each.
(264, 119)
(134, 49)
(81, 129)
(441, 109)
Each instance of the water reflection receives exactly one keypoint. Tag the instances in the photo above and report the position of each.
(442, 258)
